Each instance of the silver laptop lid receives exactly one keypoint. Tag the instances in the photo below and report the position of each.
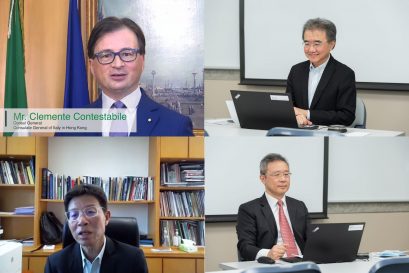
(232, 112)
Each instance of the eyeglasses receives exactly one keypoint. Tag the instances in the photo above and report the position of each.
(286, 175)
(108, 56)
(315, 44)
(89, 212)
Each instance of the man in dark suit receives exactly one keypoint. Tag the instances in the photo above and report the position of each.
(153, 119)
(116, 51)
(265, 229)
(323, 89)
(87, 215)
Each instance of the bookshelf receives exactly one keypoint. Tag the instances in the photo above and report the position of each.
(169, 151)
(14, 149)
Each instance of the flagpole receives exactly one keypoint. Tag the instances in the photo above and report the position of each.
(10, 18)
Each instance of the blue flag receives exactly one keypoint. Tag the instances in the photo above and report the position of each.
(76, 85)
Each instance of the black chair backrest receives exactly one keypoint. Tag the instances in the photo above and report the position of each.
(123, 229)
(391, 265)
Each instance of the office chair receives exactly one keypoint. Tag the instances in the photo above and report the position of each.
(239, 257)
(303, 267)
(391, 265)
(360, 114)
(123, 229)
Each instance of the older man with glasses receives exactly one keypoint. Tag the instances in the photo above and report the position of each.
(274, 225)
(87, 215)
(116, 51)
(323, 89)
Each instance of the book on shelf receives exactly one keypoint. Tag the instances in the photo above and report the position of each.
(24, 210)
(128, 188)
(182, 203)
(182, 174)
(146, 242)
(16, 172)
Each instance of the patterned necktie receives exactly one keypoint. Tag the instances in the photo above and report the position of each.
(118, 127)
(286, 233)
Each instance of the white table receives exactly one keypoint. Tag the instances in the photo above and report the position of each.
(352, 267)
(223, 127)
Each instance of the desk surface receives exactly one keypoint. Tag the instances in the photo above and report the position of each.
(352, 267)
(175, 253)
(222, 127)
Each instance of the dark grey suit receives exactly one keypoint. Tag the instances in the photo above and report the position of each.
(334, 100)
(257, 228)
(118, 258)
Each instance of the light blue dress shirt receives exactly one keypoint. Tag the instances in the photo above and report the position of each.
(95, 265)
(314, 78)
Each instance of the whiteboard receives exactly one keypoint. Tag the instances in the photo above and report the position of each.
(372, 39)
(232, 171)
(369, 169)
(222, 34)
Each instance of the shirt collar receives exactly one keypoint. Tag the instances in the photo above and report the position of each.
(131, 101)
(100, 255)
(320, 67)
(272, 201)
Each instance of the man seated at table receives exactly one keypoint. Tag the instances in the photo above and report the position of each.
(322, 88)
(274, 225)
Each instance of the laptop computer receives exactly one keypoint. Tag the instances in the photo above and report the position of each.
(264, 110)
(232, 112)
(333, 242)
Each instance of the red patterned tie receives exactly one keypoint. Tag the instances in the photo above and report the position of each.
(286, 232)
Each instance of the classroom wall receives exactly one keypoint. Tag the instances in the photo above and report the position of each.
(45, 38)
(386, 110)
(378, 235)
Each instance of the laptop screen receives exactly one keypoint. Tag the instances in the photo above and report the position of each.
(264, 110)
(333, 242)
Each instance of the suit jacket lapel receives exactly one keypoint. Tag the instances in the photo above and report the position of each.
(326, 76)
(291, 211)
(76, 261)
(304, 85)
(147, 115)
(268, 214)
(97, 103)
(107, 264)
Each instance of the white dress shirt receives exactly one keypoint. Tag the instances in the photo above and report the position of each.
(131, 102)
(272, 202)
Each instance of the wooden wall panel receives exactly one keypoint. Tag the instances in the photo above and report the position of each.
(45, 26)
